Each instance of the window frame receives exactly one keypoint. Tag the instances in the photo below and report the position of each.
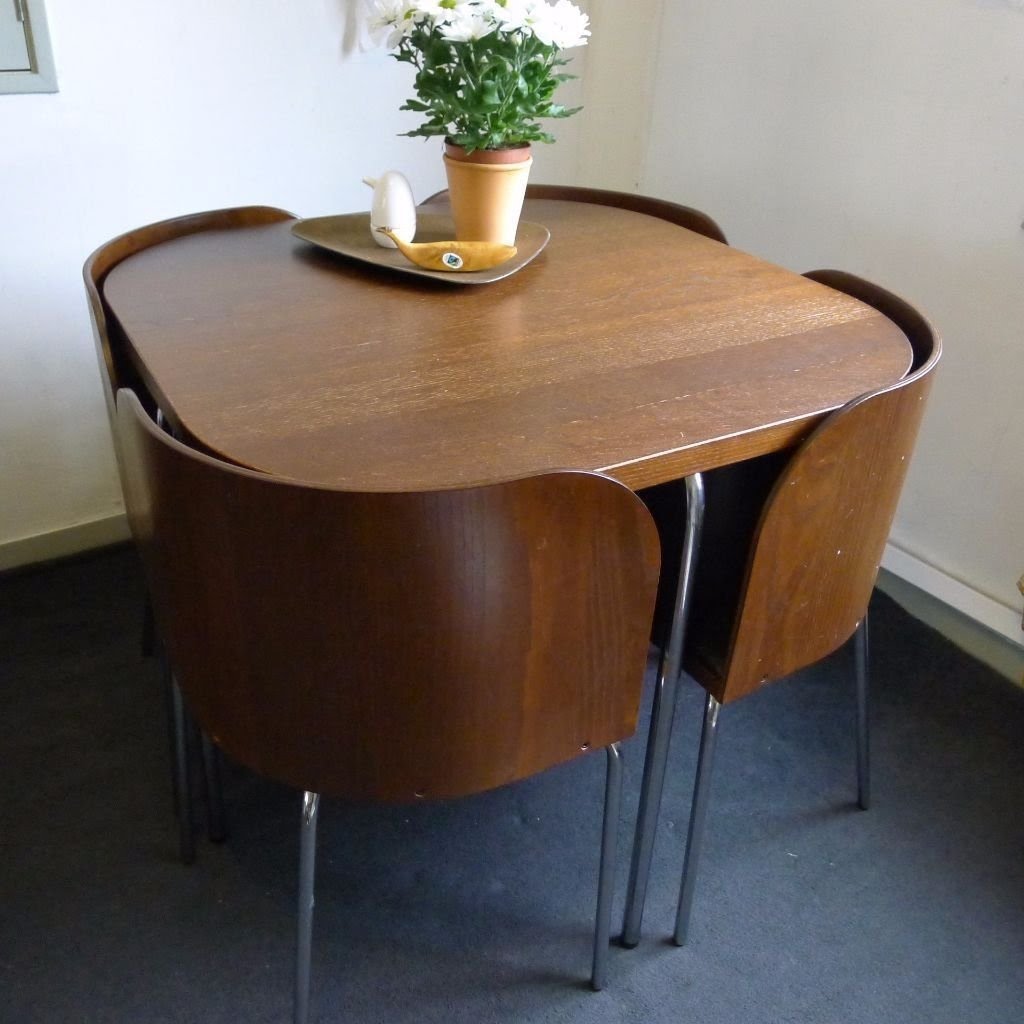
(42, 73)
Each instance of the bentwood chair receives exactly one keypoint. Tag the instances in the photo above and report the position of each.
(790, 554)
(396, 646)
(674, 213)
(116, 372)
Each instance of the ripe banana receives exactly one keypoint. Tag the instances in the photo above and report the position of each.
(452, 256)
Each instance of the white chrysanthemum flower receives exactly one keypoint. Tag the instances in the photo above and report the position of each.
(466, 24)
(425, 6)
(515, 15)
(436, 10)
(390, 21)
(427, 10)
(561, 25)
(575, 25)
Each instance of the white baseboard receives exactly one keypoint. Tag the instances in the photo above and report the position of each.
(983, 609)
(70, 540)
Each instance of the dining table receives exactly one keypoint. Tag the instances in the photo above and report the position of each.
(629, 346)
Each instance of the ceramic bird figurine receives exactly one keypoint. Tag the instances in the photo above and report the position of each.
(451, 256)
(392, 207)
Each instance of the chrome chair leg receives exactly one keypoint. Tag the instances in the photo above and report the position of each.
(606, 873)
(662, 712)
(304, 939)
(182, 781)
(860, 653)
(216, 827)
(698, 814)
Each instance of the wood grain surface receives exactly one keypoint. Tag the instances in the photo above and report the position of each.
(630, 345)
(116, 366)
(817, 545)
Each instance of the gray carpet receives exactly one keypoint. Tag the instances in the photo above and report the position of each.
(480, 910)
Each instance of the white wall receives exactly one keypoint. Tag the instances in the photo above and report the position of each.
(879, 137)
(617, 89)
(163, 109)
(887, 139)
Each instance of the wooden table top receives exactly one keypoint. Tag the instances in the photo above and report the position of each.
(630, 345)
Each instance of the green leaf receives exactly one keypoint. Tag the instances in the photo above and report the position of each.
(485, 93)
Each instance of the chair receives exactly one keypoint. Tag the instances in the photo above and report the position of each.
(118, 371)
(796, 541)
(396, 646)
(674, 213)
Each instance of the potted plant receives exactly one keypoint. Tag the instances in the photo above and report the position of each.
(486, 74)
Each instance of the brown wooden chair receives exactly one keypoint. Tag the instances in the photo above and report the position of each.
(117, 371)
(684, 216)
(394, 646)
(791, 549)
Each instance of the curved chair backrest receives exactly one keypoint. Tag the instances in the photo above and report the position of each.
(115, 368)
(819, 542)
(674, 213)
(388, 645)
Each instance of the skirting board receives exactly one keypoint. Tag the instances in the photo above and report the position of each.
(977, 606)
(71, 540)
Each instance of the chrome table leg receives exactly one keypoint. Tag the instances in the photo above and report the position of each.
(304, 939)
(662, 713)
(698, 814)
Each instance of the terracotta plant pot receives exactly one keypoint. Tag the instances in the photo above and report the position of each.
(486, 189)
